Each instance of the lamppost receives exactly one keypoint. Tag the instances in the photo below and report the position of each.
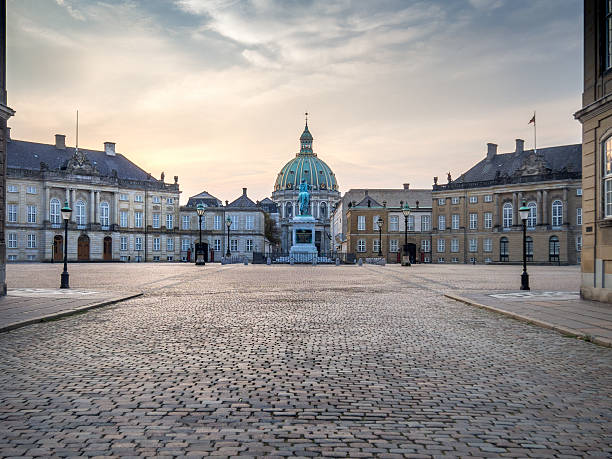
(200, 255)
(379, 222)
(228, 223)
(406, 212)
(66, 211)
(524, 213)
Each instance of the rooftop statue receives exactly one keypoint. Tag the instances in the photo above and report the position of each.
(304, 198)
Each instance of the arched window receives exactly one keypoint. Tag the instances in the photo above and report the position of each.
(104, 213)
(529, 248)
(81, 214)
(607, 156)
(503, 249)
(507, 215)
(289, 210)
(557, 213)
(323, 210)
(553, 248)
(532, 219)
(54, 211)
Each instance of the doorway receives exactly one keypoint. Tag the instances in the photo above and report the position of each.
(58, 248)
(83, 248)
(108, 248)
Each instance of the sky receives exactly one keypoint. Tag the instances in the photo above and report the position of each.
(215, 91)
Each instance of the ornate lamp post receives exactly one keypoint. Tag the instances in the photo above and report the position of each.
(524, 213)
(406, 211)
(200, 249)
(380, 222)
(228, 223)
(66, 211)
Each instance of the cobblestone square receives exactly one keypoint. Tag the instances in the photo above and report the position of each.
(300, 361)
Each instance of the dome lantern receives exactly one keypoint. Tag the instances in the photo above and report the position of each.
(306, 140)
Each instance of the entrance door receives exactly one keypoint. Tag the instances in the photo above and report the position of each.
(412, 252)
(108, 248)
(58, 248)
(83, 248)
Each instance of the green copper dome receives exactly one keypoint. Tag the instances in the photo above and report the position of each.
(307, 166)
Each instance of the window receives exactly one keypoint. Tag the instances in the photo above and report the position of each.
(186, 245)
(31, 241)
(361, 245)
(156, 200)
(250, 222)
(393, 223)
(11, 211)
(455, 200)
(455, 260)
(169, 200)
(473, 260)
(579, 243)
(454, 245)
(507, 215)
(138, 243)
(123, 197)
(31, 189)
(235, 219)
(532, 219)
(361, 222)
(217, 222)
(31, 214)
(425, 245)
(155, 257)
(441, 201)
(473, 199)
(234, 245)
(579, 192)
(487, 245)
(441, 222)
(607, 153)
(186, 222)
(217, 245)
(410, 222)
(376, 245)
(124, 243)
(31, 257)
(12, 258)
(375, 222)
(170, 244)
(249, 245)
(440, 260)
(557, 213)
(323, 210)
(553, 248)
(12, 189)
(473, 247)
(138, 198)
(393, 246)
(455, 222)
(473, 221)
(488, 220)
(441, 245)
(503, 249)
(138, 219)
(426, 223)
(12, 240)
(81, 214)
(156, 244)
(579, 216)
(169, 221)
(156, 222)
(104, 214)
(123, 219)
(488, 198)
(289, 209)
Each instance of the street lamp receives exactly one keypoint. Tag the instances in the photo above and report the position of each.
(524, 213)
(406, 211)
(228, 223)
(66, 211)
(200, 256)
(379, 222)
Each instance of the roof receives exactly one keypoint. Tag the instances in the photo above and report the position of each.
(394, 197)
(29, 155)
(550, 160)
(268, 205)
(368, 201)
(205, 198)
(243, 201)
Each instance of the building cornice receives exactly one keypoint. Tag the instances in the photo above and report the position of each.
(594, 109)
(6, 112)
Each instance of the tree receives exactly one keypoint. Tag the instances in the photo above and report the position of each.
(271, 231)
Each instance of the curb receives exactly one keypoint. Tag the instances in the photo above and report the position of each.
(67, 313)
(540, 323)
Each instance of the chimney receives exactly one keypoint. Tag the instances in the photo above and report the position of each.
(7, 134)
(176, 179)
(244, 192)
(163, 176)
(226, 202)
(491, 151)
(520, 145)
(60, 141)
(109, 148)
(406, 186)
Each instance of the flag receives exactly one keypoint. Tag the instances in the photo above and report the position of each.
(532, 120)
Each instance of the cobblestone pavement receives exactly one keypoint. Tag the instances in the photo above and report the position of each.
(303, 360)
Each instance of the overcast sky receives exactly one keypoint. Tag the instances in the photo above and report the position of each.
(215, 91)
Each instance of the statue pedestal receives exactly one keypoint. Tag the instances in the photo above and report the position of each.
(303, 249)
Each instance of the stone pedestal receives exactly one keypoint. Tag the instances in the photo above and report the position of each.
(303, 248)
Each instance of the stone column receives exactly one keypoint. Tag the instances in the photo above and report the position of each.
(496, 211)
(545, 207)
(97, 202)
(45, 207)
(539, 208)
(92, 207)
(515, 215)
(565, 207)
(116, 208)
(73, 203)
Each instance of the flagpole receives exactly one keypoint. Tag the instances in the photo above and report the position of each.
(535, 143)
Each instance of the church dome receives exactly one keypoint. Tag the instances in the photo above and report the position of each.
(308, 167)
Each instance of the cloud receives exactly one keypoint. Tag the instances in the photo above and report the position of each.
(71, 10)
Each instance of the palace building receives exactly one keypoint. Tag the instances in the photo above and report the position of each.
(476, 219)
(324, 193)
